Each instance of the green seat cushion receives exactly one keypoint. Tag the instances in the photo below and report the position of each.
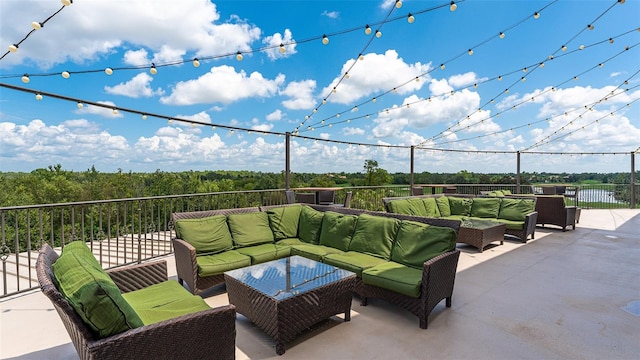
(250, 229)
(208, 235)
(310, 225)
(164, 301)
(455, 217)
(337, 230)
(374, 235)
(396, 277)
(515, 209)
(313, 252)
(443, 205)
(460, 206)
(92, 292)
(290, 241)
(217, 264)
(417, 242)
(265, 252)
(485, 207)
(353, 261)
(431, 207)
(284, 221)
(510, 224)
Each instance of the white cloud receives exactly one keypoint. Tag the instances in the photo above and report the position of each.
(301, 94)
(331, 14)
(222, 84)
(275, 41)
(138, 86)
(106, 111)
(462, 80)
(352, 131)
(138, 57)
(262, 127)
(275, 116)
(365, 78)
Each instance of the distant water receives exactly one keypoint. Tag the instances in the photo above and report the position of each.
(598, 195)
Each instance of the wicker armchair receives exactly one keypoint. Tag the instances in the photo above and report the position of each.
(553, 211)
(203, 335)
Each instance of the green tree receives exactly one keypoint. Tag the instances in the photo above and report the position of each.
(374, 175)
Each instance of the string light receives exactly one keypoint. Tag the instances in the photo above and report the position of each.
(282, 49)
(378, 34)
(196, 62)
(239, 56)
(325, 39)
(398, 4)
(410, 18)
(115, 111)
(79, 105)
(144, 117)
(502, 35)
(153, 69)
(564, 47)
(442, 66)
(610, 40)
(38, 97)
(590, 27)
(66, 2)
(65, 74)
(367, 30)
(25, 78)
(36, 25)
(470, 51)
(536, 15)
(108, 71)
(13, 48)
(453, 6)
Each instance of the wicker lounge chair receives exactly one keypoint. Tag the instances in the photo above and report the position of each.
(553, 211)
(201, 335)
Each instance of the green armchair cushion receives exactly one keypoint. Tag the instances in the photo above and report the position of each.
(431, 207)
(284, 221)
(250, 229)
(310, 225)
(92, 292)
(485, 207)
(417, 242)
(515, 209)
(396, 277)
(374, 235)
(337, 230)
(443, 205)
(208, 235)
(460, 206)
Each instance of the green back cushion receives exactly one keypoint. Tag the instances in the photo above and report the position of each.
(250, 229)
(417, 242)
(92, 293)
(515, 209)
(400, 207)
(506, 192)
(417, 207)
(443, 206)
(284, 221)
(208, 235)
(337, 230)
(460, 206)
(431, 207)
(374, 235)
(310, 225)
(485, 207)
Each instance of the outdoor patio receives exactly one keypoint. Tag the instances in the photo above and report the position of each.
(564, 295)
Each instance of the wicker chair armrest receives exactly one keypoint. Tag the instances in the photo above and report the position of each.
(139, 276)
(442, 264)
(186, 263)
(204, 334)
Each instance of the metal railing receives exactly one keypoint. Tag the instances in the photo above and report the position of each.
(126, 231)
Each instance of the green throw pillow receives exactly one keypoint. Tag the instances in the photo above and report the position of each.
(208, 235)
(485, 207)
(92, 293)
(506, 192)
(443, 206)
(460, 206)
(310, 225)
(284, 221)
(250, 229)
(431, 207)
(337, 230)
(374, 235)
(417, 242)
(515, 209)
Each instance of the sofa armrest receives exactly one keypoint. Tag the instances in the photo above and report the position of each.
(186, 264)
(199, 335)
(530, 221)
(438, 277)
(139, 276)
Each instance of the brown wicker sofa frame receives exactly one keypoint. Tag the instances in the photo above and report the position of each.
(202, 335)
(437, 279)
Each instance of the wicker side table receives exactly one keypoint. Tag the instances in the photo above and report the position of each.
(286, 296)
(480, 233)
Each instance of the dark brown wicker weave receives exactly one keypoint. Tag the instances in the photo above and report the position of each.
(481, 237)
(185, 253)
(553, 211)
(207, 334)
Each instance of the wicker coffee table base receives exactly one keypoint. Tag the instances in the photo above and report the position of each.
(480, 238)
(282, 320)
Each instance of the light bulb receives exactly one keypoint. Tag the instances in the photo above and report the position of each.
(523, 79)
(524, 69)
(360, 57)
(346, 75)
(315, 110)
(338, 115)
(144, 117)
(115, 111)
(398, 4)
(470, 52)
(79, 105)
(355, 108)
(499, 78)
(502, 35)
(25, 79)
(196, 62)
(575, 78)
(325, 39)
(410, 19)
(36, 25)
(378, 33)
(601, 65)
(108, 71)
(417, 78)
(442, 66)
(153, 70)
(536, 15)
(581, 47)
(38, 97)
(550, 57)
(239, 56)
(541, 65)
(66, 2)
(374, 100)
(367, 30)
(475, 85)
(564, 47)
(282, 49)
(324, 101)
(453, 6)
(65, 74)
(13, 48)
(590, 27)
(610, 40)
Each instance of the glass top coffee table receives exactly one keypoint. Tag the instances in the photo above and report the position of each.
(480, 233)
(286, 296)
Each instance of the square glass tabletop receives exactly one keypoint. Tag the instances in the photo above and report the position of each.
(480, 224)
(287, 277)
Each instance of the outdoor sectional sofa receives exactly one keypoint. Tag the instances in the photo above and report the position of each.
(131, 312)
(409, 261)
(516, 212)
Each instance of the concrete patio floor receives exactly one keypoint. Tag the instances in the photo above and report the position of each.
(564, 295)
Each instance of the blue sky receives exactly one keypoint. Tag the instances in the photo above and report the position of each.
(485, 104)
